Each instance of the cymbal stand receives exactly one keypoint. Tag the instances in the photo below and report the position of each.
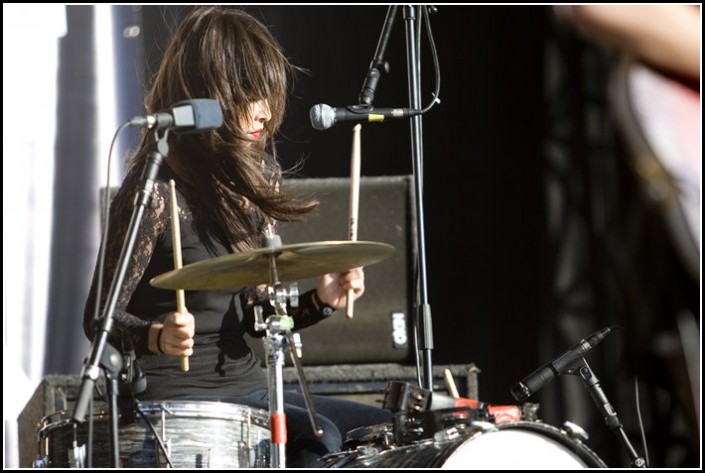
(279, 336)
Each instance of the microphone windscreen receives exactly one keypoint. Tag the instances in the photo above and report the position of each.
(322, 116)
(207, 114)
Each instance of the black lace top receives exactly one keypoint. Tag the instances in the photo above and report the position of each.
(222, 362)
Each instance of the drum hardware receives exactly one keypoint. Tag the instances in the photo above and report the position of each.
(377, 434)
(279, 336)
(77, 456)
(420, 414)
(451, 433)
(163, 446)
(530, 411)
(130, 409)
(341, 459)
(574, 431)
(409, 428)
(405, 397)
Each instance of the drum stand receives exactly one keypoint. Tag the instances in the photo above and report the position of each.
(278, 337)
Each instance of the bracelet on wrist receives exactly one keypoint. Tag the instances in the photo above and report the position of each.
(159, 341)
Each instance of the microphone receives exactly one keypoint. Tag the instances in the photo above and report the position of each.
(324, 116)
(188, 116)
(561, 365)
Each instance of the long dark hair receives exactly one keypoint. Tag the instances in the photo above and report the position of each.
(227, 55)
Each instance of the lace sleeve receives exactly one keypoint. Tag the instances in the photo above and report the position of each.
(151, 228)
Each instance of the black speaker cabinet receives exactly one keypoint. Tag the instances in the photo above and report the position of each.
(380, 330)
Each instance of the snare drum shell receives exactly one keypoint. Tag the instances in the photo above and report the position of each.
(196, 435)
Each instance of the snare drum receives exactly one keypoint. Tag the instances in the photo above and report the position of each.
(194, 435)
(520, 445)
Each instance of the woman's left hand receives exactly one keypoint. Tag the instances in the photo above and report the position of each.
(333, 288)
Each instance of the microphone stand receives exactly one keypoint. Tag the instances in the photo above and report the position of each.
(592, 384)
(367, 94)
(91, 369)
(423, 310)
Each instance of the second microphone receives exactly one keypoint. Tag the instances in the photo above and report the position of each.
(324, 116)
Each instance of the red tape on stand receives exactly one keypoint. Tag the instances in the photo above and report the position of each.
(278, 425)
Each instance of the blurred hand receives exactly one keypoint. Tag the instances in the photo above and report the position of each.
(177, 334)
(333, 288)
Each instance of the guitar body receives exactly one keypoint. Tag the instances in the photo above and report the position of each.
(660, 119)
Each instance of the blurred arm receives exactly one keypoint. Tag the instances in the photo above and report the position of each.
(664, 36)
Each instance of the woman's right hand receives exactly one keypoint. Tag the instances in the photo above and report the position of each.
(177, 335)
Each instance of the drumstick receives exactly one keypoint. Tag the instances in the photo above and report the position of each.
(450, 383)
(354, 201)
(176, 243)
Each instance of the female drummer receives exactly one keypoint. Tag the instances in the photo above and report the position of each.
(227, 183)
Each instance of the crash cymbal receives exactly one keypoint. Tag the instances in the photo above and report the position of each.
(293, 262)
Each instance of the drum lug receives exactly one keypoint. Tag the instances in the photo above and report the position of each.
(365, 451)
(446, 435)
(575, 432)
(529, 411)
(484, 425)
(77, 456)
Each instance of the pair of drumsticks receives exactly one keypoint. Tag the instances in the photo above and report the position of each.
(354, 207)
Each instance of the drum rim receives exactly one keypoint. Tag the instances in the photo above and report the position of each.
(182, 408)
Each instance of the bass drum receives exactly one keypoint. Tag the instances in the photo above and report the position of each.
(193, 435)
(520, 445)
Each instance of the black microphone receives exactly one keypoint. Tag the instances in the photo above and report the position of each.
(324, 116)
(188, 116)
(558, 366)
